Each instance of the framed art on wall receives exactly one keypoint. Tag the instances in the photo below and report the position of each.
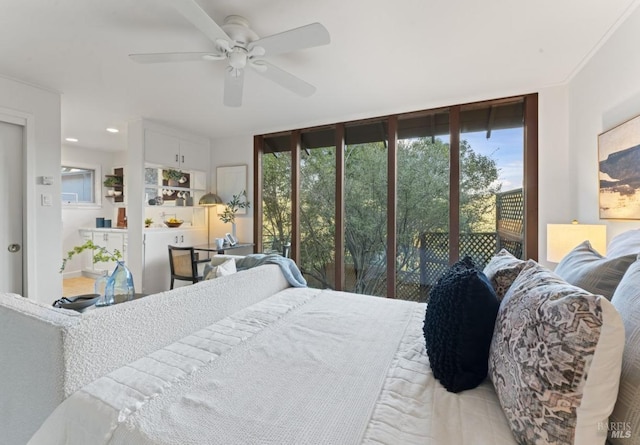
(619, 171)
(231, 181)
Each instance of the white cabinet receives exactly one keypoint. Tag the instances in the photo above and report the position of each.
(111, 240)
(172, 151)
(157, 274)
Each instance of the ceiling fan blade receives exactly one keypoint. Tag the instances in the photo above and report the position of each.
(299, 38)
(200, 19)
(175, 57)
(233, 83)
(284, 79)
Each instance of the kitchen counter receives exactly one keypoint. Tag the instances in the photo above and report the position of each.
(169, 229)
(105, 229)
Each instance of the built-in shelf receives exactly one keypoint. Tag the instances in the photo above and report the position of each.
(170, 187)
(119, 174)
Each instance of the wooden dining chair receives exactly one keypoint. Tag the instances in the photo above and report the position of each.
(183, 262)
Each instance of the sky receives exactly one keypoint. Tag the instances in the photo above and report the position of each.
(506, 147)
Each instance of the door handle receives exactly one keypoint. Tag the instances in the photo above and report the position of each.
(13, 248)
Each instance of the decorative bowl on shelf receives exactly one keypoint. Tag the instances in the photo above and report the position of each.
(173, 223)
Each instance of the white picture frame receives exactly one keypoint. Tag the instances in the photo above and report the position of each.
(230, 239)
(230, 180)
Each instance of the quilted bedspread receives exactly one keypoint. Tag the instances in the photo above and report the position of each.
(304, 366)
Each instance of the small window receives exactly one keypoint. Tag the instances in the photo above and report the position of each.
(78, 185)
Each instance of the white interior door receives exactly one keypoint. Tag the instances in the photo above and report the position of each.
(11, 191)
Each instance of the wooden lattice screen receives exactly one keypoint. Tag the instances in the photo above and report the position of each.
(510, 221)
(434, 252)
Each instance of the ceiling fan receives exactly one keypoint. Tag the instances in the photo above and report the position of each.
(236, 43)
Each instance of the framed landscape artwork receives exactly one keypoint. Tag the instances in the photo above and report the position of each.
(619, 171)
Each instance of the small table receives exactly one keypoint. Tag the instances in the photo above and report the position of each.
(118, 299)
(213, 248)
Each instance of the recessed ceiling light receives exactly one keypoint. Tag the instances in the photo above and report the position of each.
(113, 130)
(71, 139)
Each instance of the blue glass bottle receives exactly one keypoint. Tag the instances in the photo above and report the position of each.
(120, 285)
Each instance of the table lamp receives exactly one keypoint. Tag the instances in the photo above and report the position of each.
(562, 238)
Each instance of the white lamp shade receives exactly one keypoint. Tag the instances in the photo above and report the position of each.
(562, 238)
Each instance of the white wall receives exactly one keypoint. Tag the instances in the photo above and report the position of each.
(605, 93)
(43, 224)
(554, 190)
(224, 153)
(75, 218)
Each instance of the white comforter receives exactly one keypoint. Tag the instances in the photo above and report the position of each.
(302, 367)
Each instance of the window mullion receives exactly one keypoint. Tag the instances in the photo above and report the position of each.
(392, 179)
(295, 196)
(454, 184)
(340, 210)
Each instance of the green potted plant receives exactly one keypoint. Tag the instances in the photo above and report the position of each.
(236, 203)
(99, 254)
(173, 177)
(148, 222)
(112, 181)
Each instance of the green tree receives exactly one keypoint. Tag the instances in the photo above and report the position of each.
(276, 200)
(422, 205)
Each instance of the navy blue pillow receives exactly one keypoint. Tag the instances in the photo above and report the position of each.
(458, 326)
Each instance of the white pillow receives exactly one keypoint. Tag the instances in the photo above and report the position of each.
(586, 268)
(625, 420)
(220, 268)
(555, 359)
(626, 243)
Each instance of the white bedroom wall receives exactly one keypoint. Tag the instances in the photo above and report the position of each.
(554, 190)
(43, 223)
(227, 152)
(605, 93)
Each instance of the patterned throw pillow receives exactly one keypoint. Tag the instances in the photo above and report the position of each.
(555, 360)
(625, 419)
(458, 326)
(586, 268)
(502, 270)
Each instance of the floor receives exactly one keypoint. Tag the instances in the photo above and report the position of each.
(77, 286)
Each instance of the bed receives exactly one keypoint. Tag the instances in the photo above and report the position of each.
(272, 364)
(303, 366)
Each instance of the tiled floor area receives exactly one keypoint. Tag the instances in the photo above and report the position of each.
(77, 286)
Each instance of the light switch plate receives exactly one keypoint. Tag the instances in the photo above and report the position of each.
(47, 200)
(47, 180)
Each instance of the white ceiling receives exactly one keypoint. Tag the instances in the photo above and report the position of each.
(384, 57)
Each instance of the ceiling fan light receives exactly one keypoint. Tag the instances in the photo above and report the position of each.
(238, 58)
(256, 51)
